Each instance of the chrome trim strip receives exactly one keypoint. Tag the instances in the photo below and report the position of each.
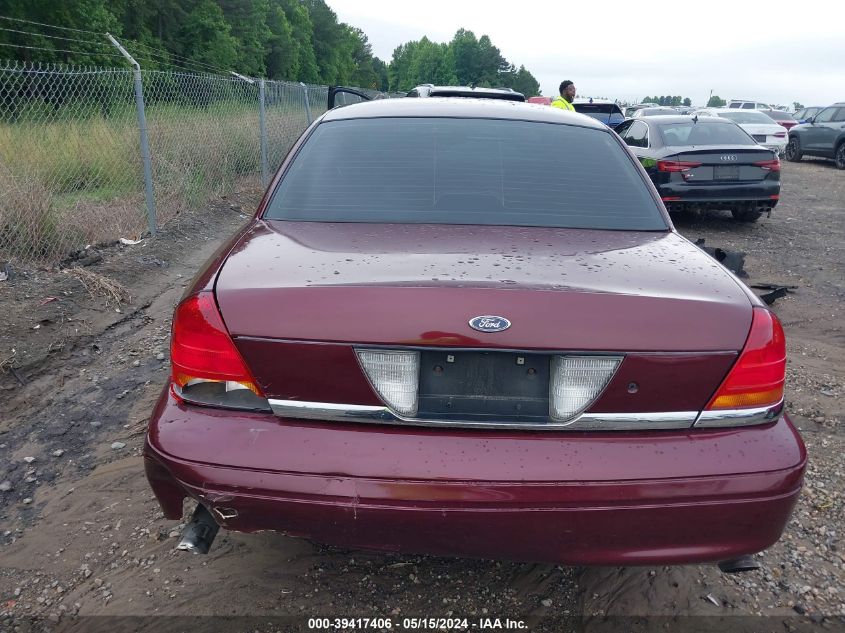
(738, 417)
(331, 412)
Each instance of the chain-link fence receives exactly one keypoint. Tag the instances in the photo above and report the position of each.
(71, 166)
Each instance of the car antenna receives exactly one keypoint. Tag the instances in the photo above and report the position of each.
(695, 118)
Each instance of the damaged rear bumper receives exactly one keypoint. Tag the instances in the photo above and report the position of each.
(572, 498)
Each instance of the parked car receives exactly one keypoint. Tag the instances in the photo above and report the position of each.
(658, 111)
(705, 163)
(823, 136)
(430, 90)
(629, 111)
(747, 104)
(605, 111)
(759, 125)
(442, 334)
(780, 117)
(804, 114)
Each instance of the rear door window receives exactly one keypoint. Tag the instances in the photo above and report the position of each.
(637, 135)
(465, 171)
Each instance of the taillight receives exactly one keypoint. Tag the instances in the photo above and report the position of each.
(769, 165)
(756, 379)
(780, 134)
(676, 165)
(207, 367)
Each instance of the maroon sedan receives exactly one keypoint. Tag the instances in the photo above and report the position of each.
(467, 327)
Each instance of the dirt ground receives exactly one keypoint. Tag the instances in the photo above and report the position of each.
(81, 536)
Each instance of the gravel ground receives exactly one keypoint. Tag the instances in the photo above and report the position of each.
(81, 535)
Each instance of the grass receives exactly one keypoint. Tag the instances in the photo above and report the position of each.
(100, 285)
(71, 182)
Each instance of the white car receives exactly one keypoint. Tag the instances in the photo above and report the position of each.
(747, 104)
(762, 128)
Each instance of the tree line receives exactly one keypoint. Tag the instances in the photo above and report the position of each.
(466, 61)
(294, 40)
(668, 101)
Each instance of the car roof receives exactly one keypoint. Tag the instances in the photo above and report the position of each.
(430, 90)
(683, 118)
(468, 108)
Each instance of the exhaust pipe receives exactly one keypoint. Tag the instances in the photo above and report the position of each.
(737, 565)
(199, 533)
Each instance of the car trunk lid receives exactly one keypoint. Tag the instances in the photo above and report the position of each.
(421, 284)
(304, 301)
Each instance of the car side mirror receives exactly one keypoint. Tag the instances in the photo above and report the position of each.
(810, 120)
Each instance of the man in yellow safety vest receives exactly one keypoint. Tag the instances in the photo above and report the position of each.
(567, 95)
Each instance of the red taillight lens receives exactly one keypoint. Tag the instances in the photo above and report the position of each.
(780, 134)
(757, 378)
(676, 165)
(201, 349)
(769, 165)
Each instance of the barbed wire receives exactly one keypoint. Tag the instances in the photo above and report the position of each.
(55, 37)
(58, 50)
(167, 54)
(157, 56)
(51, 26)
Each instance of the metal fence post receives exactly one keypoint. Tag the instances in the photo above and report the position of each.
(307, 105)
(145, 142)
(262, 126)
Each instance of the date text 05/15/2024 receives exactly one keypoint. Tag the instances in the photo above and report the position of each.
(456, 624)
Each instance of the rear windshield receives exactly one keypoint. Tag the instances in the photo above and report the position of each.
(657, 112)
(597, 108)
(465, 171)
(746, 116)
(704, 133)
(779, 116)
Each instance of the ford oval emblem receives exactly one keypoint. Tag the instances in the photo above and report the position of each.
(489, 323)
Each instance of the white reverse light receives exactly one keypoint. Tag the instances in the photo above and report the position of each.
(394, 375)
(576, 381)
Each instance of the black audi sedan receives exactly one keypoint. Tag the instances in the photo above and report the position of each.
(705, 163)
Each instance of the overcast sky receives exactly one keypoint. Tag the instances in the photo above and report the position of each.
(765, 50)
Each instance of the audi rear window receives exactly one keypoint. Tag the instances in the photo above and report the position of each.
(704, 133)
(465, 171)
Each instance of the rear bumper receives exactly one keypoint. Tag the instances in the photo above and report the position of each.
(711, 192)
(576, 498)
